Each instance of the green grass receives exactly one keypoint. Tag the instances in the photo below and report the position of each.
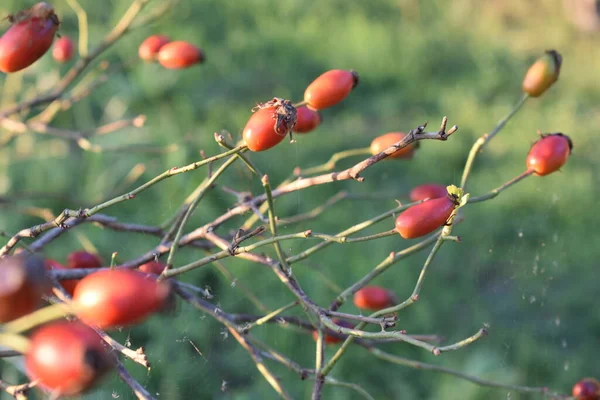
(527, 261)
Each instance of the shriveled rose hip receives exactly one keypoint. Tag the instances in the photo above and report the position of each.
(110, 298)
(63, 50)
(373, 298)
(549, 153)
(148, 50)
(330, 88)
(380, 143)
(428, 191)
(307, 120)
(67, 358)
(180, 54)
(424, 218)
(29, 37)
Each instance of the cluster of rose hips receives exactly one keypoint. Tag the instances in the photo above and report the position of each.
(68, 357)
(170, 54)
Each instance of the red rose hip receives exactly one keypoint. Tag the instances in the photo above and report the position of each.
(67, 358)
(549, 153)
(179, 54)
(63, 50)
(29, 37)
(424, 218)
(83, 259)
(380, 143)
(307, 120)
(23, 282)
(373, 298)
(152, 267)
(587, 389)
(148, 50)
(110, 298)
(333, 338)
(330, 88)
(269, 124)
(428, 191)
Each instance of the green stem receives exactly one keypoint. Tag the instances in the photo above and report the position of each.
(83, 27)
(493, 193)
(273, 224)
(330, 165)
(192, 208)
(38, 317)
(483, 140)
(14, 341)
(270, 316)
(478, 381)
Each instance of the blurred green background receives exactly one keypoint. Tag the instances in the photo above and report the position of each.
(527, 262)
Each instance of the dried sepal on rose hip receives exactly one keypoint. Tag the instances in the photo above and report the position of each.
(29, 37)
(307, 120)
(148, 50)
(180, 54)
(382, 142)
(23, 282)
(67, 358)
(374, 298)
(587, 389)
(111, 298)
(549, 153)
(424, 218)
(269, 124)
(63, 50)
(542, 74)
(330, 88)
(428, 191)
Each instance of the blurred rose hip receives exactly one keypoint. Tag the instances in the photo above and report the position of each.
(373, 298)
(83, 259)
(331, 337)
(307, 120)
(542, 74)
(152, 267)
(23, 281)
(111, 298)
(428, 191)
(330, 88)
(148, 50)
(63, 50)
(179, 54)
(549, 153)
(380, 143)
(587, 389)
(29, 37)
(67, 284)
(67, 358)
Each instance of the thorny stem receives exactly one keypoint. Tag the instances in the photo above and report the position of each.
(483, 140)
